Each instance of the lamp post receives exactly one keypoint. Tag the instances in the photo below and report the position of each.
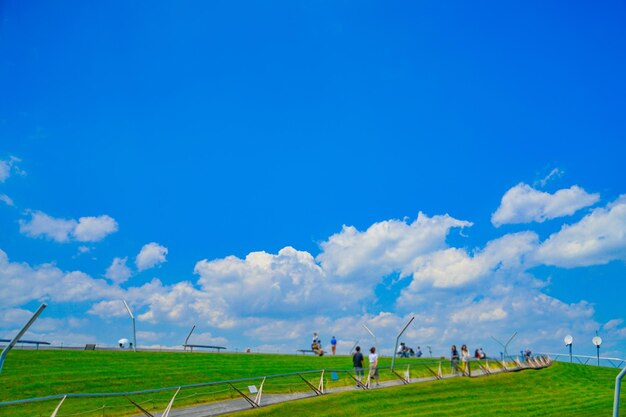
(568, 342)
(597, 340)
(133, 319)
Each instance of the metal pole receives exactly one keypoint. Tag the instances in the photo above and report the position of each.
(570, 353)
(189, 335)
(375, 340)
(6, 350)
(133, 319)
(598, 354)
(618, 385)
(393, 359)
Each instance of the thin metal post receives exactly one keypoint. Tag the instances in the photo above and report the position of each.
(188, 336)
(130, 313)
(393, 359)
(618, 386)
(370, 332)
(56, 410)
(166, 413)
(6, 350)
(570, 353)
(598, 354)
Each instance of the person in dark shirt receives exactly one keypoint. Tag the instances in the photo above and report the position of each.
(454, 359)
(357, 362)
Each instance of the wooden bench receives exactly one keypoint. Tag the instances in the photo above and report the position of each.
(90, 346)
(218, 348)
(305, 351)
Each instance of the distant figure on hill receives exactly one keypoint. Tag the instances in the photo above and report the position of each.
(483, 355)
(419, 352)
(316, 345)
(465, 357)
(373, 362)
(333, 345)
(357, 363)
(454, 359)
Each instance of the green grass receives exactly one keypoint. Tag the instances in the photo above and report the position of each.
(560, 389)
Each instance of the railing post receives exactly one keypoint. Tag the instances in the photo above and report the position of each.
(618, 386)
(6, 350)
(56, 410)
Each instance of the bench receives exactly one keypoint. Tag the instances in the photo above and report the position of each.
(218, 348)
(305, 351)
(90, 346)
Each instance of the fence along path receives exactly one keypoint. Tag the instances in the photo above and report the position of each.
(214, 398)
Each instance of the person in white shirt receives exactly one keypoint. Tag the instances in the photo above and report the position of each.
(373, 361)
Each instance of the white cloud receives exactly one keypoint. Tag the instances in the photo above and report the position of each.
(22, 283)
(7, 200)
(42, 225)
(598, 238)
(118, 272)
(454, 267)
(555, 173)
(86, 229)
(9, 166)
(524, 204)
(151, 255)
(385, 247)
(288, 282)
(94, 229)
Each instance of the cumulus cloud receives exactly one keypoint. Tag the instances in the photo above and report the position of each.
(118, 272)
(524, 204)
(8, 167)
(151, 255)
(42, 225)
(262, 283)
(86, 229)
(22, 283)
(94, 229)
(455, 267)
(597, 238)
(385, 247)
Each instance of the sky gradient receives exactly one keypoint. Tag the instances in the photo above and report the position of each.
(269, 169)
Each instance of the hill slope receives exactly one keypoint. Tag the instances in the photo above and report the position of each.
(560, 389)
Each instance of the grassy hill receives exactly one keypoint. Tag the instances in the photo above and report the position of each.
(560, 389)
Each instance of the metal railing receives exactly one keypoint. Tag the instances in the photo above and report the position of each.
(587, 360)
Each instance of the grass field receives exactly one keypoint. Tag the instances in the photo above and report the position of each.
(558, 390)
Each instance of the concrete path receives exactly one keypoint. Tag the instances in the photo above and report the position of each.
(233, 406)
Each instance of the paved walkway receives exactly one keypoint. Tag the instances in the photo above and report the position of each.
(233, 406)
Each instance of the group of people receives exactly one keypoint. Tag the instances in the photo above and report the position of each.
(406, 352)
(357, 362)
(464, 357)
(316, 345)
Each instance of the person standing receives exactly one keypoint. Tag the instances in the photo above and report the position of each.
(454, 359)
(373, 363)
(465, 357)
(357, 362)
(333, 345)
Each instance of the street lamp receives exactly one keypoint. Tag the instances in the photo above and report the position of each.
(597, 340)
(568, 342)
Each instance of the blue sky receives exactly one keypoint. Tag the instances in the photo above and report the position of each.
(258, 169)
